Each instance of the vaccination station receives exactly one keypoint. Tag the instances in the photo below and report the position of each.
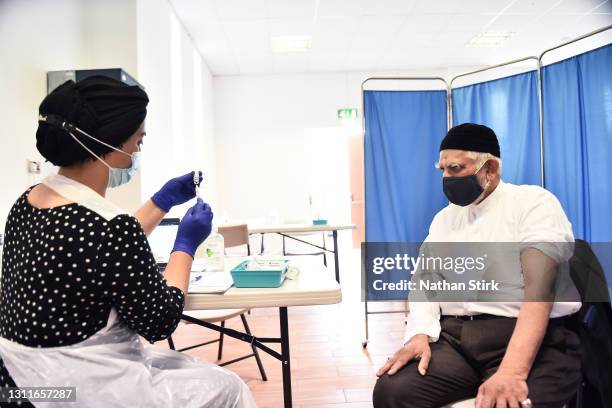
(306, 203)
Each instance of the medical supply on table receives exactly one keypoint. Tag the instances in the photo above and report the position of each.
(214, 251)
(258, 263)
(260, 273)
(176, 191)
(197, 182)
(262, 264)
(209, 282)
(198, 264)
(194, 228)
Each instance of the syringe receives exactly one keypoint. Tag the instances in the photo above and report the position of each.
(196, 182)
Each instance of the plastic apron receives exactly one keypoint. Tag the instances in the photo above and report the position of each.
(113, 368)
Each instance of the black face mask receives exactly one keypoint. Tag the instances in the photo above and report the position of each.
(462, 190)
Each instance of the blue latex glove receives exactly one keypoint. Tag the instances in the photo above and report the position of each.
(177, 191)
(194, 228)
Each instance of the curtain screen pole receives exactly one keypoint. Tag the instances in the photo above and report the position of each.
(364, 343)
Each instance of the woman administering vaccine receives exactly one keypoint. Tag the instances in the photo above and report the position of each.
(79, 281)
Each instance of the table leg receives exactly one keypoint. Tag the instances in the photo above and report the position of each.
(261, 250)
(335, 236)
(286, 360)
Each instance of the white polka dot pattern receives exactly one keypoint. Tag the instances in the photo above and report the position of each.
(63, 269)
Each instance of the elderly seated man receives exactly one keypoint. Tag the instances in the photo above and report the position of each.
(506, 354)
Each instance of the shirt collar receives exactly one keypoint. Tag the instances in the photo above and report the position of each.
(83, 195)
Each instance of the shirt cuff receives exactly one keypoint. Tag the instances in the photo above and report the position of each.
(425, 325)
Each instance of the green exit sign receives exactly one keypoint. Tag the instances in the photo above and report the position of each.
(347, 113)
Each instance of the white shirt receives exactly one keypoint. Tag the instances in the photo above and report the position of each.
(511, 213)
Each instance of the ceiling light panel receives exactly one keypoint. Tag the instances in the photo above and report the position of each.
(490, 39)
(291, 43)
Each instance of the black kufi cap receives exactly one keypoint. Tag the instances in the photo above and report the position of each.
(103, 107)
(471, 137)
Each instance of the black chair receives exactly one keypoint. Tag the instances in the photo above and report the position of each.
(593, 324)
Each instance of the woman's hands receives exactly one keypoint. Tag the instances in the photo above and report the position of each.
(176, 191)
(194, 228)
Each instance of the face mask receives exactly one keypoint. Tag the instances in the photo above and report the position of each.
(463, 190)
(116, 176)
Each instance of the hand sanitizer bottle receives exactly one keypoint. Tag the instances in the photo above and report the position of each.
(215, 251)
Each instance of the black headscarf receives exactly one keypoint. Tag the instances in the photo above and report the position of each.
(103, 107)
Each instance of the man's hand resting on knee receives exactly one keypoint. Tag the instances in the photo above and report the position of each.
(503, 389)
(417, 348)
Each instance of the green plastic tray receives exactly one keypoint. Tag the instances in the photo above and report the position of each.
(245, 278)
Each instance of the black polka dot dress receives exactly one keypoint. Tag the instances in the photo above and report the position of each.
(64, 268)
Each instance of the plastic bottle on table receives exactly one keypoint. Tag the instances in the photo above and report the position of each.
(214, 251)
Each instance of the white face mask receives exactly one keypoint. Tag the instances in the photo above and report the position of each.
(116, 176)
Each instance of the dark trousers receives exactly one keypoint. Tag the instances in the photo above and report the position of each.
(470, 351)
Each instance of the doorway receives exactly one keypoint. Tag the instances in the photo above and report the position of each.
(334, 175)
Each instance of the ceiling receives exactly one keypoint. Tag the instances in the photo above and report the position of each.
(234, 36)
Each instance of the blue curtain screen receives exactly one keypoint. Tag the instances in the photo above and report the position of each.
(577, 97)
(403, 130)
(509, 106)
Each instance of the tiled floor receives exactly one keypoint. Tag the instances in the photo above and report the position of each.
(329, 366)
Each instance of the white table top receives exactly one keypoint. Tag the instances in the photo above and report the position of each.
(288, 228)
(315, 285)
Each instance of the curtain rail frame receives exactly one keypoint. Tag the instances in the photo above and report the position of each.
(541, 88)
(364, 343)
(539, 85)
(449, 111)
(540, 65)
(396, 78)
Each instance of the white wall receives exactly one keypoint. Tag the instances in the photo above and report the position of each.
(109, 41)
(180, 132)
(246, 133)
(65, 34)
(260, 123)
(109, 34)
(25, 58)
(85, 34)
